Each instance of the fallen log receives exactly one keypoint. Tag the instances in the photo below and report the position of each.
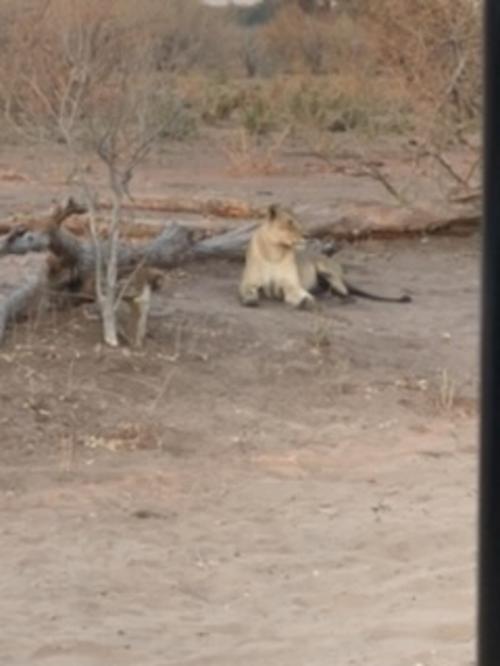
(174, 244)
(351, 221)
(162, 251)
(229, 245)
(348, 222)
(167, 249)
(79, 226)
(132, 231)
(216, 207)
(371, 221)
(21, 241)
(72, 260)
(78, 262)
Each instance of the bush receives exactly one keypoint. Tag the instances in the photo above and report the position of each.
(297, 42)
(371, 65)
(434, 46)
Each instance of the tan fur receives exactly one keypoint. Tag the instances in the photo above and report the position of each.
(271, 267)
(280, 265)
(134, 289)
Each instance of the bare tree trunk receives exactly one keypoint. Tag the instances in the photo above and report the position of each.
(108, 315)
(229, 245)
(108, 302)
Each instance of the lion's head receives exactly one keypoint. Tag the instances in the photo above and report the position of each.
(284, 230)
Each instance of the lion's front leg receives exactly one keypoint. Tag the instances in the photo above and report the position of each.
(249, 293)
(296, 296)
(250, 285)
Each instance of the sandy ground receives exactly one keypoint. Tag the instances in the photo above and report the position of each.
(256, 487)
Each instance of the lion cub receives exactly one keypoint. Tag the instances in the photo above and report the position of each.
(134, 291)
(271, 267)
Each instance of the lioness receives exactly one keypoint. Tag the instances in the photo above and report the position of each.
(271, 262)
(279, 265)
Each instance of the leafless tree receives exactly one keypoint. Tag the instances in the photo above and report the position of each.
(85, 76)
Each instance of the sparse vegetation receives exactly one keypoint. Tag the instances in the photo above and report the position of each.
(376, 65)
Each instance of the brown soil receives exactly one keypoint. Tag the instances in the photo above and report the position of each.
(257, 486)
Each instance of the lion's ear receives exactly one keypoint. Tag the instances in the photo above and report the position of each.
(273, 211)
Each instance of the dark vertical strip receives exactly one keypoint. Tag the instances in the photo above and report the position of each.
(489, 519)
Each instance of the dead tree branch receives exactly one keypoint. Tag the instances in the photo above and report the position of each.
(21, 240)
(216, 207)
